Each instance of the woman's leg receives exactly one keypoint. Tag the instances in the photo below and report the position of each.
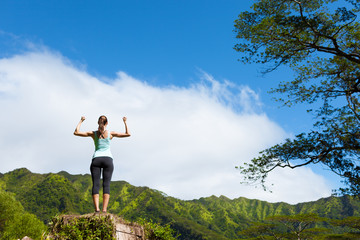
(95, 176)
(106, 198)
(107, 174)
(96, 202)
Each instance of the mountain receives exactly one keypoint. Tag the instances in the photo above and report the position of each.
(47, 195)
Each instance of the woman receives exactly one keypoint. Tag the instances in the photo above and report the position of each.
(102, 158)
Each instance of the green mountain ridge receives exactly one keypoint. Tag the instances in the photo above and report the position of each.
(47, 195)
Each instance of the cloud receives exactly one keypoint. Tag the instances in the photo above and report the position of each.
(186, 141)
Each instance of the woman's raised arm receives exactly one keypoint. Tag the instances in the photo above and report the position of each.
(120, 135)
(77, 131)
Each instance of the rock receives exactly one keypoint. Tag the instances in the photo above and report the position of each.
(128, 231)
(121, 229)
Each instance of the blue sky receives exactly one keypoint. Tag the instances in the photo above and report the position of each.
(161, 42)
(163, 46)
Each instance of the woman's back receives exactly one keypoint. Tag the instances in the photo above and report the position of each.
(102, 144)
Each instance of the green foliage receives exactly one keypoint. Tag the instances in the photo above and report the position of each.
(301, 226)
(154, 231)
(319, 41)
(47, 195)
(205, 218)
(79, 228)
(351, 222)
(261, 231)
(15, 223)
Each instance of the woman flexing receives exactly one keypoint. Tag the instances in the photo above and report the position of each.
(102, 158)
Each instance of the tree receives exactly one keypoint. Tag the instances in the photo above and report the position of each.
(300, 226)
(319, 40)
(15, 222)
(351, 226)
(261, 231)
(303, 226)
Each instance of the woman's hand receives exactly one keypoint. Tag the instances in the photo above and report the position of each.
(124, 119)
(82, 118)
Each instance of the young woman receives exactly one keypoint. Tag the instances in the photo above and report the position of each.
(102, 158)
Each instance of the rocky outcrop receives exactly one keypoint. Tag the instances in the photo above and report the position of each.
(105, 225)
(128, 231)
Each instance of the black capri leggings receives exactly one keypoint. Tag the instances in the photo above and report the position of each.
(98, 163)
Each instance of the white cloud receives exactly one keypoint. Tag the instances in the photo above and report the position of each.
(185, 142)
(293, 186)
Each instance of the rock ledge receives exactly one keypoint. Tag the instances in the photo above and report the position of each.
(121, 229)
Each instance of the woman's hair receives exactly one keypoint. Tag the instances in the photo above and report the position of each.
(102, 122)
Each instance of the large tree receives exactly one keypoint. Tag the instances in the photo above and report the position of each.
(320, 41)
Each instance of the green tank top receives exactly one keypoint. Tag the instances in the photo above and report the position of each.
(102, 146)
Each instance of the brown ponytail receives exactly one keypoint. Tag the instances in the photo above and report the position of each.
(102, 122)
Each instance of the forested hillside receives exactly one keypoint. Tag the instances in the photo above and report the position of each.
(47, 195)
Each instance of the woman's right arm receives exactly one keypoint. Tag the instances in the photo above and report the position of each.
(77, 131)
(121, 135)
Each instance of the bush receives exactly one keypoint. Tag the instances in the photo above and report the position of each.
(92, 227)
(154, 231)
(15, 222)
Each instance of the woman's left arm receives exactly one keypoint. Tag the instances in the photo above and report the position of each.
(77, 131)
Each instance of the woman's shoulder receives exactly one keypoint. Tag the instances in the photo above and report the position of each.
(94, 134)
(108, 134)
